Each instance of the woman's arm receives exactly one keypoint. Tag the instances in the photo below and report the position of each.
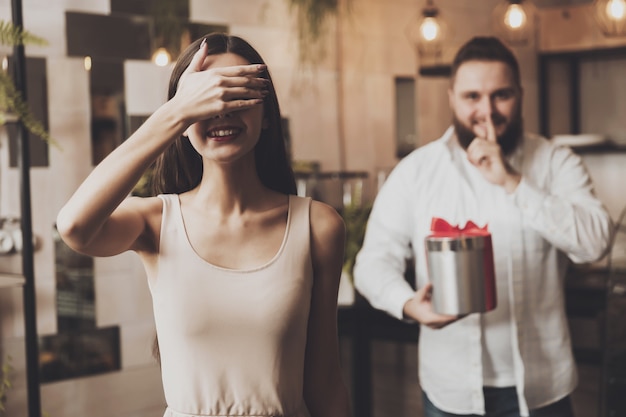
(98, 219)
(324, 390)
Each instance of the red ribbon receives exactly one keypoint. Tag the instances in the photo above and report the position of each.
(440, 227)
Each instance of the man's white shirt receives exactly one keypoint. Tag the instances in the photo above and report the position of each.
(553, 215)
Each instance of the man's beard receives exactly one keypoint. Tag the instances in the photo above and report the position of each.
(508, 140)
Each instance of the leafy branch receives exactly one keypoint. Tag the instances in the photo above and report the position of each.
(5, 384)
(355, 218)
(11, 100)
(168, 23)
(311, 17)
(14, 35)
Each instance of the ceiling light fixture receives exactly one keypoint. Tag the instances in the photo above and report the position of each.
(87, 63)
(514, 21)
(428, 33)
(611, 16)
(161, 57)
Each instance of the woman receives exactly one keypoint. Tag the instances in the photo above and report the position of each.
(243, 274)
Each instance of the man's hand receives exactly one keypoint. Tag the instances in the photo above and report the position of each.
(485, 154)
(420, 308)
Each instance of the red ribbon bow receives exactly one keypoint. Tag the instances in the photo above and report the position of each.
(440, 227)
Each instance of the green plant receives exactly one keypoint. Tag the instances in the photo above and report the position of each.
(355, 218)
(143, 188)
(5, 384)
(312, 15)
(311, 18)
(168, 23)
(11, 100)
(12, 35)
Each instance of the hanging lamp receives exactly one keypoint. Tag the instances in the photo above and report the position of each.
(611, 16)
(428, 33)
(514, 21)
(161, 57)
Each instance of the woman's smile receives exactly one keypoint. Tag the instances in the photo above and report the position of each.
(223, 133)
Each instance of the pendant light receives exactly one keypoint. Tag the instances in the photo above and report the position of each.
(161, 57)
(87, 64)
(611, 16)
(514, 21)
(428, 33)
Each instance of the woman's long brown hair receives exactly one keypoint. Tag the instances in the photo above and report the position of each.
(179, 168)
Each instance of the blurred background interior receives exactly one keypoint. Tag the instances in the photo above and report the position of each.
(361, 84)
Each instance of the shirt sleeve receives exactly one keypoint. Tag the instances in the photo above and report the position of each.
(380, 264)
(565, 211)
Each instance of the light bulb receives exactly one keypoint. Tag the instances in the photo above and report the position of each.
(429, 29)
(5, 63)
(515, 17)
(616, 9)
(161, 57)
(87, 63)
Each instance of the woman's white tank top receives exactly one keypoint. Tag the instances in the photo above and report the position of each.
(232, 342)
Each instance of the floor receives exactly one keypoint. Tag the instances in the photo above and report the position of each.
(396, 391)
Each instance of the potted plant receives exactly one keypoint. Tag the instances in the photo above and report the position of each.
(355, 217)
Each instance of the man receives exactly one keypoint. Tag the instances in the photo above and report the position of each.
(538, 202)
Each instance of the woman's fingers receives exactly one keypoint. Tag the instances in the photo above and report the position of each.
(241, 70)
(212, 79)
(247, 82)
(236, 93)
(206, 92)
(198, 59)
(235, 105)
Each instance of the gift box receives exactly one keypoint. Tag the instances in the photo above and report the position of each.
(461, 268)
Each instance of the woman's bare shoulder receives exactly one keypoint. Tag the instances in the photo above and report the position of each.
(147, 206)
(326, 223)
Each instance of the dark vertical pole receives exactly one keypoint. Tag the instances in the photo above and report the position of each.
(361, 359)
(544, 96)
(30, 306)
(574, 89)
(341, 125)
